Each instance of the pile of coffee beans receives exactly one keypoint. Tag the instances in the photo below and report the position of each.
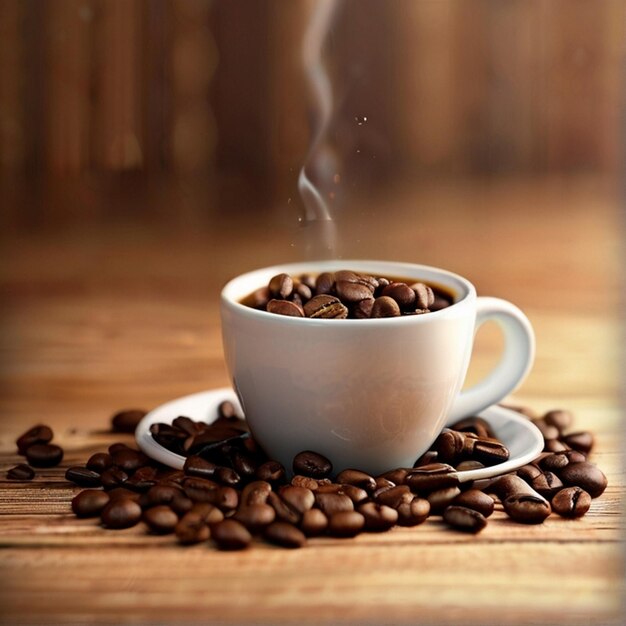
(35, 445)
(230, 493)
(347, 294)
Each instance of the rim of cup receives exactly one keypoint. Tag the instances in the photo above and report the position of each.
(244, 284)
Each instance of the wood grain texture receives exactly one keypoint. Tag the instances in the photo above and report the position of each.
(103, 316)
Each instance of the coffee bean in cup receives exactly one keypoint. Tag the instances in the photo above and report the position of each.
(347, 295)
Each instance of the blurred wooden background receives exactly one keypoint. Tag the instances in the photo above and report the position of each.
(200, 87)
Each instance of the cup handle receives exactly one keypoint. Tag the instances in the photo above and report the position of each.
(516, 361)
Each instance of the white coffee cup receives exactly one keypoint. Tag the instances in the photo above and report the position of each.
(371, 394)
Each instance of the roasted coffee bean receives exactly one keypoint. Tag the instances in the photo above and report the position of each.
(402, 294)
(469, 465)
(450, 446)
(118, 447)
(186, 424)
(192, 529)
(382, 484)
(83, 477)
(427, 478)
(285, 307)
(314, 522)
(476, 425)
(547, 484)
(197, 466)
(441, 498)
(586, 476)
(200, 489)
(397, 477)
(476, 500)
(99, 461)
(356, 494)
(308, 280)
(121, 513)
(575, 456)
(260, 297)
(581, 441)
(255, 517)
(571, 502)
(227, 476)
(40, 434)
(303, 291)
(465, 519)
(161, 519)
(281, 286)
(384, 306)
(127, 421)
(243, 463)
(439, 303)
(554, 446)
(424, 295)
(363, 308)
(325, 283)
(414, 512)
(284, 511)
(161, 494)
(529, 472)
(378, 517)
(554, 462)
(300, 498)
(285, 535)
(181, 505)
(331, 503)
(560, 419)
(21, 472)
(129, 460)
(352, 277)
(520, 501)
(255, 492)
(394, 496)
(271, 471)
(113, 477)
(490, 452)
(44, 455)
(229, 534)
(312, 464)
(89, 503)
(345, 524)
(325, 307)
(121, 492)
(357, 479)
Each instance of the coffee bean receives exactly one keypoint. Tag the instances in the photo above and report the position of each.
(121, 513)
(285, 535)
(255, 517)
(281, 286)
(226, 410)
(574, 456)
(260, 297)
(189, 426)
(397, 477)
(571, 502)
(345, 524)
(192, 529)
(547, 484)
(227, 476)
(441, 498)
(394, 496)
(83, 477)
(243, 463)
(313, 522)
(303, 291)
(414, 512)
(255, 492)
(581, 441)
(312, 464)
(357, 479)
(230, 534)
(285, 307)
(90, 503)
(99, 461)
(363, 308)
(129, 460)
(439, 303)
(21, 472)
(356, 494)
(586, 476)
(384, 306)
(284, 511)
(118, 446)
(469, 465)
(331, 503)
(181, 505)
(554, 446)
(127, 421)
(271, 471)
(325, 283)
(161, 494)
(308, 280)
(450, 446)
(382, 484)
(547, 430)
(40, 434)
(161, 519)
(325, 307)
(429, 478)
(378, 517)
(358, 279)
(490, 452)
(527, 509)
(402, 294)
(113, 477)
(559, 418)
(197, 466)
(554, 462)
(300, 498)
(44, 455)
(476, 425)
(476, 500)
(424, 295)
(200, 489)
(121, 492)
(465, 519)
(529, 472)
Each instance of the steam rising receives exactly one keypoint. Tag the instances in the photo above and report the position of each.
(318, 156)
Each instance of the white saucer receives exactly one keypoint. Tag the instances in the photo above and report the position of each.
(520, 435)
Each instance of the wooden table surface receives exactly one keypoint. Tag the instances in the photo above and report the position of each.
(104, 314)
